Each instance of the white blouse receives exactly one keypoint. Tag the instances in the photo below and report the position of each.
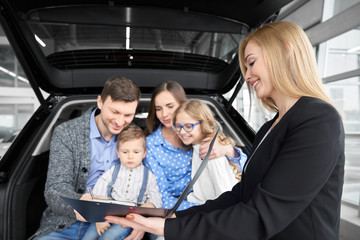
(217, 177)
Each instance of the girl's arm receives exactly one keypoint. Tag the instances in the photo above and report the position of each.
(234, 154)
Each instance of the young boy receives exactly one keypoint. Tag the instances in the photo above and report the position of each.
(125, 184)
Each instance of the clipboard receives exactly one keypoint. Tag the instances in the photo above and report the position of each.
(97, 210)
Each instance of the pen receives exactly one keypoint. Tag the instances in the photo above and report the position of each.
(91, 193)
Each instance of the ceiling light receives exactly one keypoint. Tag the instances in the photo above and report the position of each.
(13, 74)
(355, 49)
(40, 41)
(127, 37)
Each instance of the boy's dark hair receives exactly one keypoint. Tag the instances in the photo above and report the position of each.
(120, 89)
(131, 132)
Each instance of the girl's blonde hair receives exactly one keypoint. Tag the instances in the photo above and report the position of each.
(290, 61)
(201, 112)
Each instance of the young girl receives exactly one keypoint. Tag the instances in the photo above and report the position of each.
(193, 121)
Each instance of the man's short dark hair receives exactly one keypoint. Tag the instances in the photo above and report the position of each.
(120, 89)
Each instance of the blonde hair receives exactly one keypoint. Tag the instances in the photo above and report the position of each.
(201, 112)
(290, 61)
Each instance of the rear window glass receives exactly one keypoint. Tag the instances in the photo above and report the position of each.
(70, 46)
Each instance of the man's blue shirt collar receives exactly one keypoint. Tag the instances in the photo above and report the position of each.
(94, 130)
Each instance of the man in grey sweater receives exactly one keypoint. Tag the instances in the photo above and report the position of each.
(82, 149)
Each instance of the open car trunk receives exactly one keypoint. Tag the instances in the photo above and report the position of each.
(70, 48)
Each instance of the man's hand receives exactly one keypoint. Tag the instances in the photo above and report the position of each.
(88, 197)
(79, 217)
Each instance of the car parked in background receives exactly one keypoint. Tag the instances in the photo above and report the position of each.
(4, 131)
(5, 143)
(70, 48)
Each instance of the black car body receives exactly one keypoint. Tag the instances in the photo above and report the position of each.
(191, 42)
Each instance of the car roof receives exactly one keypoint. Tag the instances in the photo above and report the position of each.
(249, 12)
(71, 72)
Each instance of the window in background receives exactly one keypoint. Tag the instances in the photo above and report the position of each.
(346, 95)
(17, 99)
(334, 7)
(11, 73)
(340, 54)
(339, 64)
(251, 109)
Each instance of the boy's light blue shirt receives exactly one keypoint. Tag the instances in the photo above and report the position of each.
(103, 153)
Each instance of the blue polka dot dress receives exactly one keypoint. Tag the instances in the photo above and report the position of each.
(171, 166)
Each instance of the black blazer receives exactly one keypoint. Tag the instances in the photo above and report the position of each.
(291, 186)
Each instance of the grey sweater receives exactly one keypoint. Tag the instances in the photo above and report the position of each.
(69, 167)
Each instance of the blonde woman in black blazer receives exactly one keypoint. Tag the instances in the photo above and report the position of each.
(292, 183)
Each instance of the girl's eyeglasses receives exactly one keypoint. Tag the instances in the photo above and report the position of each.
(188, 127)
